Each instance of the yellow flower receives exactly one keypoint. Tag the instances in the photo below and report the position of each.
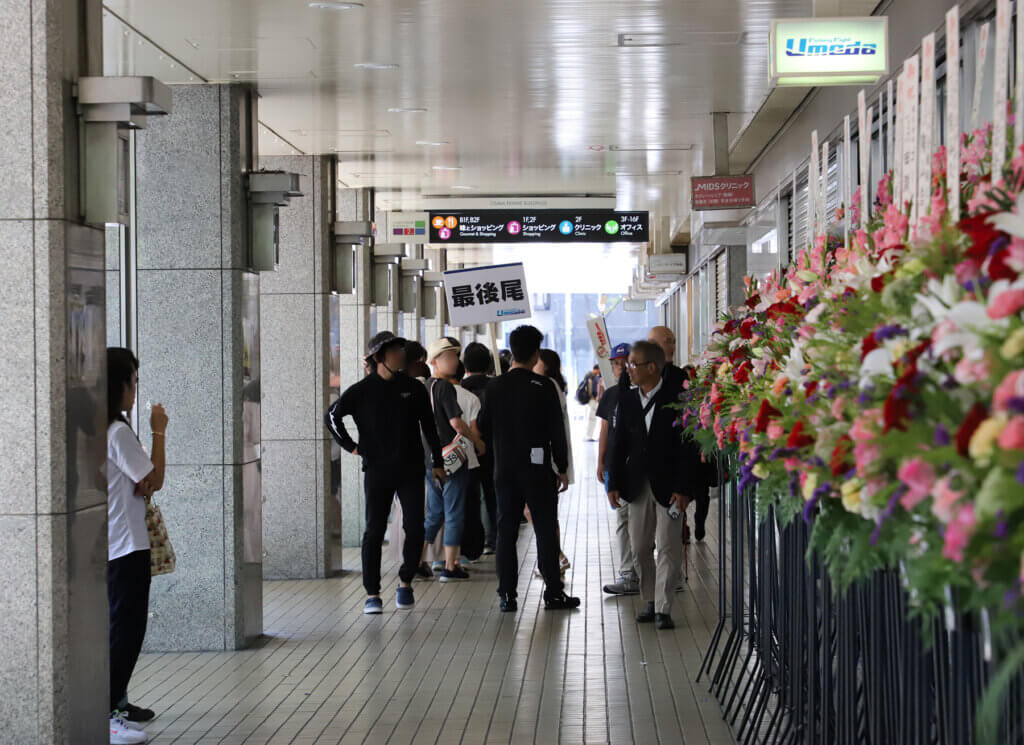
(760, 470)
(723, 371)
(810, 485)
(984, 438)
(850, 493)
(1013, 347)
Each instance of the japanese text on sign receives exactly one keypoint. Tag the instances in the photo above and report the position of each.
(488, 294)
(545, 226)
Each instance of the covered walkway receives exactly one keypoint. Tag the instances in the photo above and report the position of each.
(455, 670)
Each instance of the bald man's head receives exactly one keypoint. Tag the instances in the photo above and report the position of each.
(664, 338)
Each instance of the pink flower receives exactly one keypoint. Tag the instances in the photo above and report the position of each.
(894, 229)
(971, 371)
(945, 499)
(1006, 303)
(967, 271)
(1012, 436)
(866, 455)
(1017, 163)
(807, 293)
(982, 199)
(872, 486)
(775, 431)
(866, 425)
(838, 407)
(792, 464)
(705, 414)
(1015, 257)
(959, 532)
(919, 478)
(1011, 387)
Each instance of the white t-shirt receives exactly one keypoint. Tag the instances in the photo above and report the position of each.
(127, 465)
(571, 470)
(470, 406)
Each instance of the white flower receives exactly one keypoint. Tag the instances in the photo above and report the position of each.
(1010, 222)
(938, 297)
(877, 363)
(794, 369)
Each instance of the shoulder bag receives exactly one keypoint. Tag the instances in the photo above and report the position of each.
(162, 559)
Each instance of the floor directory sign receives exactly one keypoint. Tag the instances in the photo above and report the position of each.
(487, 294)
(538, 226)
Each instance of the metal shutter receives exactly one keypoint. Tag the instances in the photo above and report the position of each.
(798, 226)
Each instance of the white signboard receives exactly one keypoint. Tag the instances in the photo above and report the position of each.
(487, 294)
(813, 185)
(847, 175)
(864, 154)
(979, 73)
(924, 150)
(828, 51)
(953, 112)
(999, 100)
(602, 347)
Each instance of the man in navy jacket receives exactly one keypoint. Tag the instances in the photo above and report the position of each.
(651, 467)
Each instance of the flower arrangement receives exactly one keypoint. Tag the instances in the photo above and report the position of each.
(875, 389)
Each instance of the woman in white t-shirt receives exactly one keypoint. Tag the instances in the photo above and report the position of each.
(132, 477)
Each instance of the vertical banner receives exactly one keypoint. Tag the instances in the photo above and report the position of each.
(979, 73)
(912, 86)
(793, 201)
(602, 345)
(864, 153)
(953, 112)
(813, 186)
(1002, 69)
(891, 115)
(823, 216)
(897, 169)
(927, 128)
(1018, 53)
(883, 133)
(846, 174)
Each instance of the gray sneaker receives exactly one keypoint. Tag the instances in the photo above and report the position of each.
(625, 586)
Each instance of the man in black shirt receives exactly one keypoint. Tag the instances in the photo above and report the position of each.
(607, 410)
(390, 409)
(479, 366)
(521, 422)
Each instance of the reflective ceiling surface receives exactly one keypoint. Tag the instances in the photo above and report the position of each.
(475, 97)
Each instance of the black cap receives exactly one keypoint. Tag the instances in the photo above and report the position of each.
(381, 340)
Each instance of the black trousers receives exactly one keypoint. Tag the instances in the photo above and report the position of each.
(486, 472)
(381, 486)
(537, 488)
(128, 579)
(703, 501)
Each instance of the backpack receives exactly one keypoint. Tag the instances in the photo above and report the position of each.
(583, 392)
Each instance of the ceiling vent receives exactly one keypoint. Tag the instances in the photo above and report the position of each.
(647, 148)
(682, 39)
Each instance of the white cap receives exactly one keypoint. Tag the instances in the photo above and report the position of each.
(439, 347)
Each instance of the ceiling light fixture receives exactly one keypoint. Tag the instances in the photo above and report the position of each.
(406, 110)
(447, 168)
(431, 143)
(375, 66)
(334, 5)
(464, 188)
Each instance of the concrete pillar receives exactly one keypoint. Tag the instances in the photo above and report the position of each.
(199, 351)
(434, 328)
(353, 316)
(736, 263)
(300, 515)
(53, 520)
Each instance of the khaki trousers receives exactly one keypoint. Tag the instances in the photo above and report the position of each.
(650, 526)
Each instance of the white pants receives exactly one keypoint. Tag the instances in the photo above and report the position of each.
(650, 526)
(591, 419)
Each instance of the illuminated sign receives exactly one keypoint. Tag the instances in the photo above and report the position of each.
(538, 226)
(828, 51)
(721, 192)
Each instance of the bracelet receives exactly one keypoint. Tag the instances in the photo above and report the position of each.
(159, 434)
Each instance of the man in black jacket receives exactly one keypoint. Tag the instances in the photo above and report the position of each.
(479, 364)
(521, 422)
(651, 467)
(390, 409)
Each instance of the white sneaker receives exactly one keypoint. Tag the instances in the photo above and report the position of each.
(123, 732)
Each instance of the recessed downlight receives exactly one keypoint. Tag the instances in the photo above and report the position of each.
(375, 66)
(447, 168)
(461, 187)
(335, 5)
(406, 110)
(431, 143)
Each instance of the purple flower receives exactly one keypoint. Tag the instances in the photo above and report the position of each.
(1016, 404)
(942, 438)
(1020, 472)
(888, 332)
(1001, 531)
(889, 508)
(998, 245)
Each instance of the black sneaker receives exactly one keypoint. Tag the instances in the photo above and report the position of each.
(135, 714)
(699, 532)
(453, 575)
(488, 550)
(508, 602)
(560, 601)
(647, 614)
(423, 571)
(663, 621)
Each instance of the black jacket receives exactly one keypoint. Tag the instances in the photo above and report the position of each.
(520, 413)
(661, 456)
(389, 415)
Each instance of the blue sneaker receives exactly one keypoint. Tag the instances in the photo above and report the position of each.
(373, 607)
(405, 600)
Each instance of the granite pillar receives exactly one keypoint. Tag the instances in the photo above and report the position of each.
(199, 351)
(434, 328)
(301, 518)
(53, 519)
(353, 317)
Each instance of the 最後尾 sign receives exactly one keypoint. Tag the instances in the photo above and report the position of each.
(828, 51)
(722, 192)
(538, 226)
(602, 344)
(487, 294)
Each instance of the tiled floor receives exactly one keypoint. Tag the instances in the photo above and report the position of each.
(455, 670)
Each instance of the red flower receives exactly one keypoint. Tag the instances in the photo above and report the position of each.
(895, 411)
(778, 310)
(998, 268)
(981, 234)
(742, 373)
(867, 345)
(765, 414)
(972, 421)
(730, 326)
(753, 301)
(747, 328)
(797, 438)
(840, 463)
(878, 283)
(811, 386)
(738, 355)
